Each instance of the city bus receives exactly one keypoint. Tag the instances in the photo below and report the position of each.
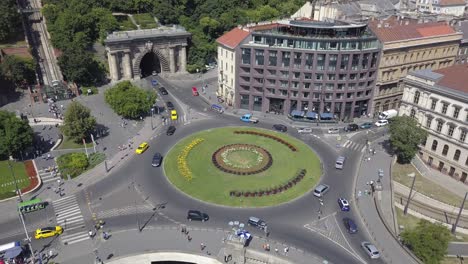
(31, 205)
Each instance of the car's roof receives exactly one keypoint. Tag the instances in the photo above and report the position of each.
(194, 212)
(173, 112)
(49, 228)
(321, 187)
(157, 155)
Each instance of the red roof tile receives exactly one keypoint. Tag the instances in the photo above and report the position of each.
(452, 3)
(393, 29)
(455, 77)
(233, 38)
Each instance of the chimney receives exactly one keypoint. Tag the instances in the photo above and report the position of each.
(386, 25)
(379, 25)
(407, 22)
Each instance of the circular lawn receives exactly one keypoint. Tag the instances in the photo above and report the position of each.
(244, 167)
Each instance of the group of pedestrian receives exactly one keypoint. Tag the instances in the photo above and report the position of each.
(55, 110)
(186, 232)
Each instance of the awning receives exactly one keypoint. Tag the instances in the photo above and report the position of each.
(13, 253)
(326, 115)
(297, 113)
(311, 115)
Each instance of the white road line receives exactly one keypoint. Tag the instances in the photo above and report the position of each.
(346, 143)
(363, 149)
(70, 217)
(67, 209)
(75, 227)
(63, 222)
(63, 199)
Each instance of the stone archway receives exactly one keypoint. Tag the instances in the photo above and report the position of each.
(164, 48)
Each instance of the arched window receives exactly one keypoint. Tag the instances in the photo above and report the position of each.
(445, 150)
(417, 94)
(434, 145)
(412, 113)
(456, 156)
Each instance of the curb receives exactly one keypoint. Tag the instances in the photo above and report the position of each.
(39, 184)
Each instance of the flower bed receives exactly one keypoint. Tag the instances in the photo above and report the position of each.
(221, 161)
(182, 159)
(271, 191)
(280, 140)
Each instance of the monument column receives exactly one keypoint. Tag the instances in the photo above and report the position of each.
(171, 60)
(182, 59)
(114, 74)
(127, 67)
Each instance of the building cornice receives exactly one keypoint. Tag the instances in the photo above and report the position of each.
(434, 113)
(440, 90)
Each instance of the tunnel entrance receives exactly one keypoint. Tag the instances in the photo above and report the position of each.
(150, 63)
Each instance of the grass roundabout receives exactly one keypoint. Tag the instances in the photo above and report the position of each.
(243, 167)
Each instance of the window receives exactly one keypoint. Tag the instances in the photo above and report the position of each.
(344, 62)
(286, 59)
(450, 131)
(433, 104)
(332, 62)
(309, 61)
(417, 94)
(297, 60)
(272, 58)
(445, 150)
(259, 58)
(456, 112)
(439, 125)
(318, 76)
(429, 122)
(246, 56)
(320, 61)
(434, 145)
(331, 77)
(463, 135)
(412, 113)
(444, 108)
(456, 156)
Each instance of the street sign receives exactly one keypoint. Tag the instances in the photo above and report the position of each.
(154, 82)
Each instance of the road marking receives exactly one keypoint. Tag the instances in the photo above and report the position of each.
(363, 149)
(68, 214)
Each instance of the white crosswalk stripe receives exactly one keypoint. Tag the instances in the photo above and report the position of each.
(68, 215)
(354, 146)
(48, 176)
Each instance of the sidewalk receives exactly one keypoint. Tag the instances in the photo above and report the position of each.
(377, 208)
(439, 178)
(125, 243)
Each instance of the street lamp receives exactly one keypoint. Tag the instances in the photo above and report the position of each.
(17, 190)
(152, 115)
(412, 175)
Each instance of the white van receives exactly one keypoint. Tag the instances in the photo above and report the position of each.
(340, 162)
(385, 115)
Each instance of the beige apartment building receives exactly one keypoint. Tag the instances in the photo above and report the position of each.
(227, 46)
(409, 45)
(438, 100)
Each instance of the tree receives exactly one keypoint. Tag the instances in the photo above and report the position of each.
(18, 70)
(129, 100)
(405, 136)
(78, 122)
(79, 66)
(72, 164)
(15, 134)
(428, 241)
(10, 20)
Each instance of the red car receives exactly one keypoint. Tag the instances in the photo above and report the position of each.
(194, 91)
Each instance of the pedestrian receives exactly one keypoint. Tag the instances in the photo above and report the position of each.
(276, 250)
(48, 156)
(61, 107)
(286, 250)
(202, 246)
(189, 238)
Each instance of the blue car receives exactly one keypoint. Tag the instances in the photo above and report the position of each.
(343, 203)
(366, 125)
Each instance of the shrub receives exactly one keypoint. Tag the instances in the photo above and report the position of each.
(72, 164)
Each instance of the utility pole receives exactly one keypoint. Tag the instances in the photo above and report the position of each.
(454, 227)
(411, 192)
(18, 191)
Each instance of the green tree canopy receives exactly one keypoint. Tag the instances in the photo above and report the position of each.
(15, 134)
(10, 20)
(79, 66)
(18, 70)
(405, 136)
(428, 241)
(72, 164)
(78, 122)
(128, 100)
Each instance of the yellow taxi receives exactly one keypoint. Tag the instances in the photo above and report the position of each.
(173, 115)
(48, 232)
(142, 148)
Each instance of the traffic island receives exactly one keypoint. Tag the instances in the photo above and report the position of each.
(242, 167)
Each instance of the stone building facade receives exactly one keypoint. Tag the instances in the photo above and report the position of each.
(438, 100)
(409, 45)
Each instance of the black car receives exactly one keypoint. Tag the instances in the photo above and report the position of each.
(197, 215)
(170, 130)
(163, 91)
(350, 226)
(351, 127)
(257, 222)
(280, 127)
(157, 158)
(170, 105)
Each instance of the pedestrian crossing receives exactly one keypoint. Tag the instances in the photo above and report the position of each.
(354, 146)
(48, 176)
(180, 120)
(68, 215)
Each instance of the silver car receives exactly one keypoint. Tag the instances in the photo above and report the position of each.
(320, 190)
(305, 130)
(333, 130)
(370, 250)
